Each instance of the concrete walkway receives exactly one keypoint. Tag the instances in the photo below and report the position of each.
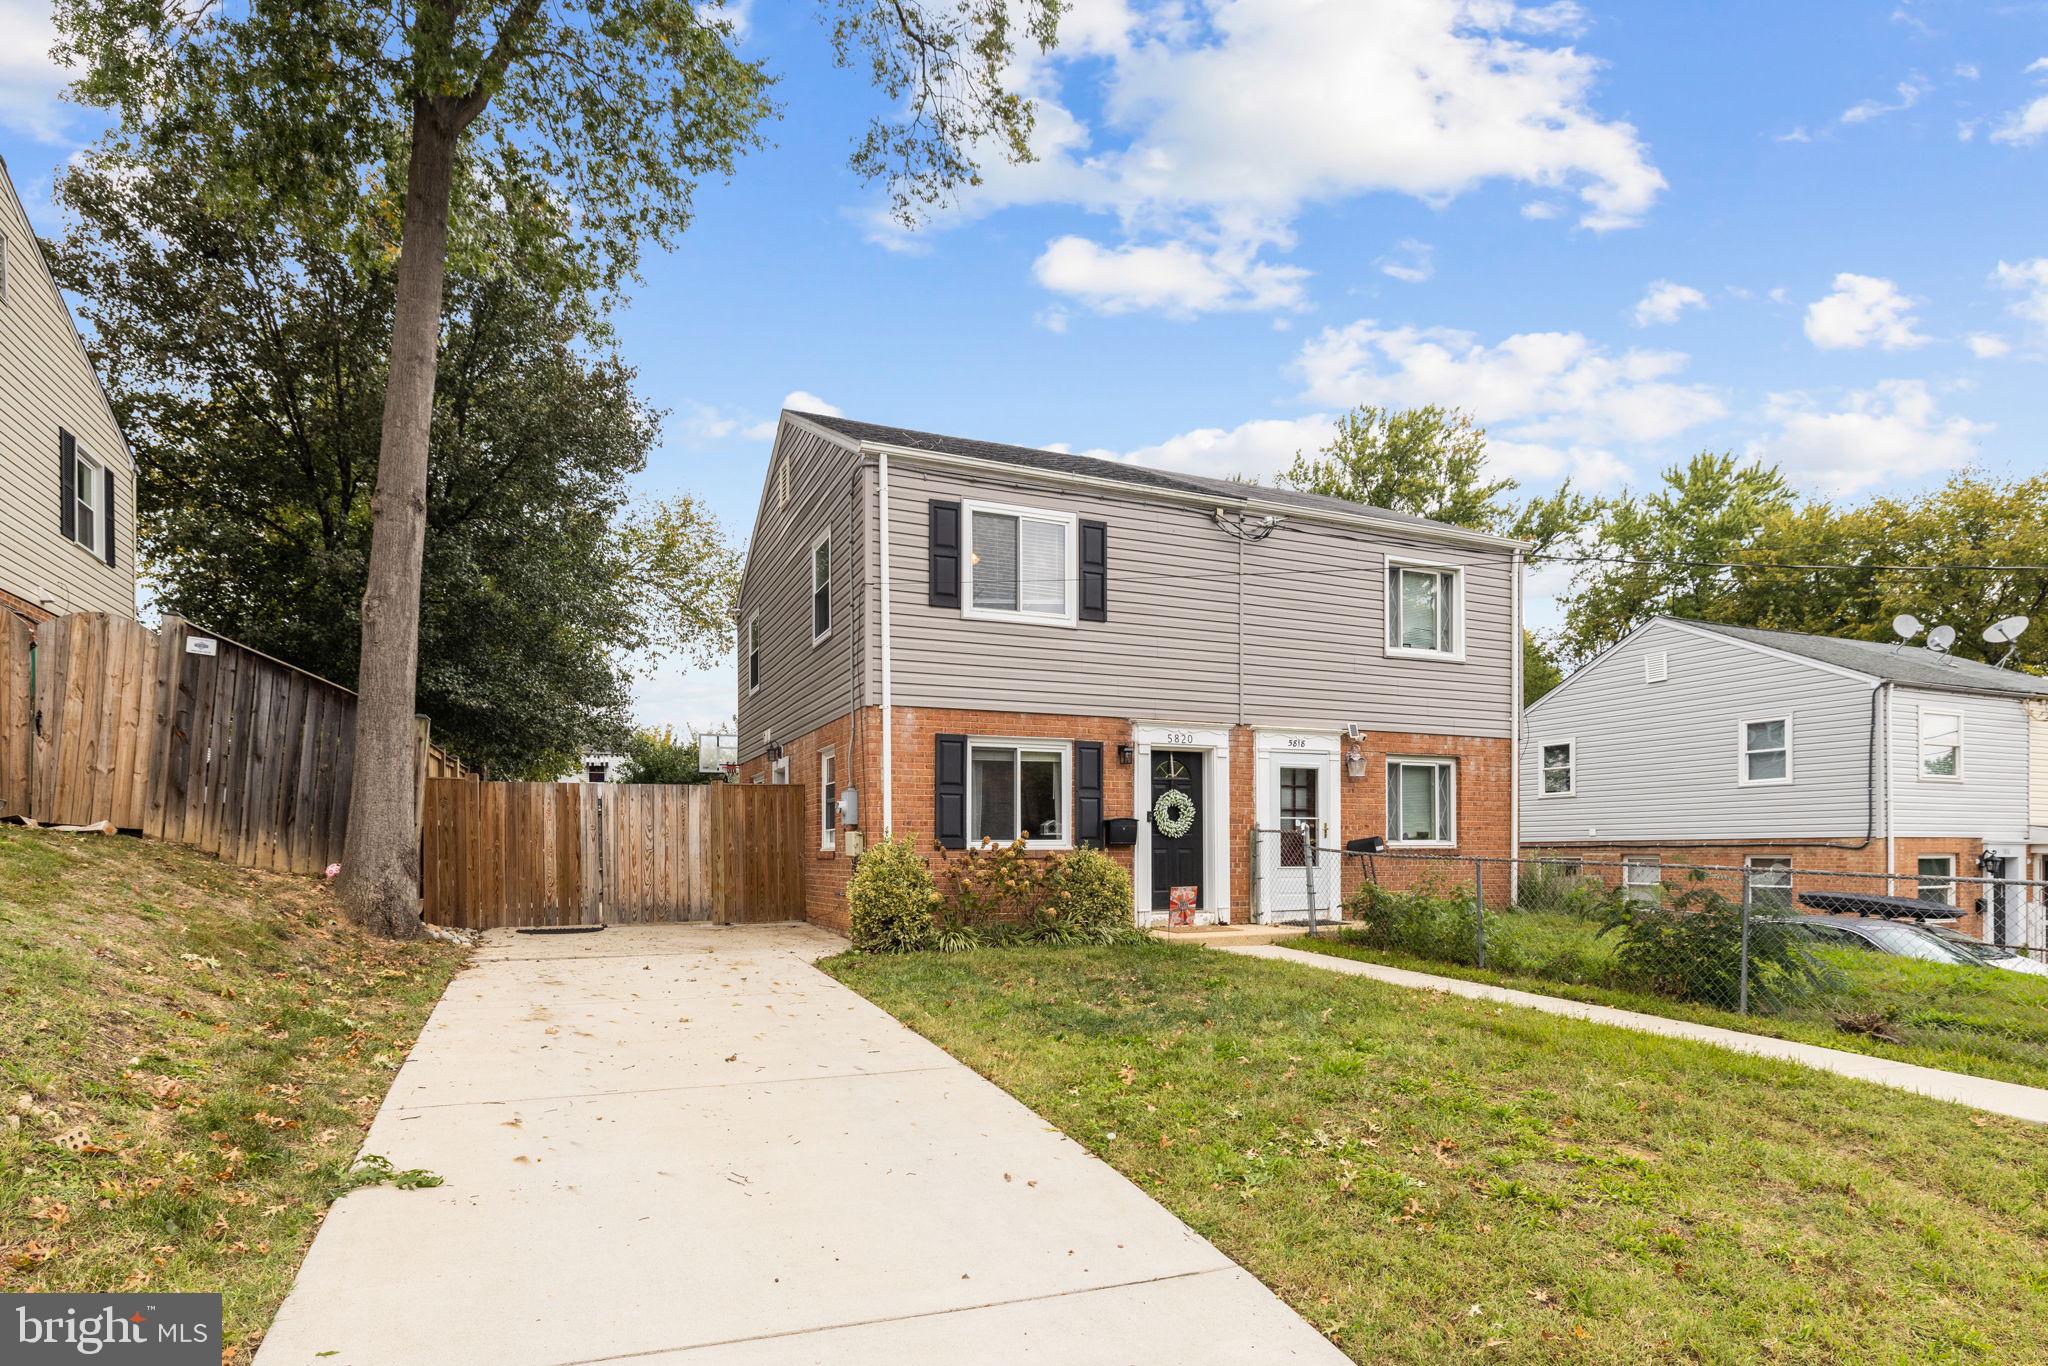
(686, 1146)
(1999, 1097)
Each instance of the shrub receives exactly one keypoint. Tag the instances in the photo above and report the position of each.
(890, 897)
(989, 886)
(1691, 950)
(1426, 921)
(1088, 893)
(1551, 887)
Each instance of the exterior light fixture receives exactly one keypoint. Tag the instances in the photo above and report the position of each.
(1354, 762)
(1123, 755)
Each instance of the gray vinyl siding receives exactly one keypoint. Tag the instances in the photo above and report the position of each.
(46, 383)
(1990, 802)
(803, 686)
(1658, 761)
(1308, 649)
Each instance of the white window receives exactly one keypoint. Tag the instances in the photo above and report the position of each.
(1941, 745)
(753, 651)
(88, 494)
(1642, 880)
(828, 815)
(1021, 564)
(821, 586)
(1766, 752)
(1937, 878)
(1769, 882)
(1422, 801)
(1560, 768)
(1017, 788)
(1425, 611)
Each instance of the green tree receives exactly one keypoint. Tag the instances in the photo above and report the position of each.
(1540, 672)
(658, 755)
(256, 432)
(1432, 462)
(592, 121)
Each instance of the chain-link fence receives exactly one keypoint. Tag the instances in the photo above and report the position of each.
(1949, 967)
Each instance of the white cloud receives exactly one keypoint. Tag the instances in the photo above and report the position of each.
(704, 424)
(30, 82)
(1261, 448)
(1221, 120)
(2029, 122)
(1985, 346)
(2029, 279)
(1909, 92)
(1966, 71)
(1863, 310)
(1892, 432)
(803, 401)
(1410, 261)
(1174, 278)
(1540, 210)
(1665, 300)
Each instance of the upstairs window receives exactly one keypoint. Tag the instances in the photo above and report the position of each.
(1424, 611)
(821, 586)
(88, 494)
(753, 653)
(1421, 801)
(1767, 751)
(1020, 564)
(1941, 745)
(1560, 768)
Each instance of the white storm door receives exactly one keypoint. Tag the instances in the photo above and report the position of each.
(1298, 787)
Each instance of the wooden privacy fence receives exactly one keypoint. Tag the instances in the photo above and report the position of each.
(181, 734)
(613, 853)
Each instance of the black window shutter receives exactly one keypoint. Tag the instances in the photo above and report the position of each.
(1094, 571)
(107, 518)
(1088, 792)
(945, 554)
(67, 506)
(949, 789)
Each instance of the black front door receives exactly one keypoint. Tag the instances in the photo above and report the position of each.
(1176, 859)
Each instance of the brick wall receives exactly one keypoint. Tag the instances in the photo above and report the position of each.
(24, 607)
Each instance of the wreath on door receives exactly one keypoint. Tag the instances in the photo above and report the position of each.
(1173, 815)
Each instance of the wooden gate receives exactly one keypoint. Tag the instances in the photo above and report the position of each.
(498, 853)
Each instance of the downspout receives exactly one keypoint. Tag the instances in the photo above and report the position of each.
(1881, 744)
(888, 679)
(1515, 737)
(1240, 629)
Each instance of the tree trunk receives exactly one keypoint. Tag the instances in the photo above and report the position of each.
(379, 882)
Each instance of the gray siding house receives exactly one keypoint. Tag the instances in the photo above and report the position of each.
(1696, 742)
(67, 481)
(986, 641)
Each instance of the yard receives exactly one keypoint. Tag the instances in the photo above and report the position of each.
(1426, 1177)
(1983, 1021)
(194, 1052)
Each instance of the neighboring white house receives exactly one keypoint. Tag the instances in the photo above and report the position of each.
(1695, 742)
(596, 768)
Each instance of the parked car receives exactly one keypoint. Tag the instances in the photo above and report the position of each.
(1992, 955)
(1892, 937)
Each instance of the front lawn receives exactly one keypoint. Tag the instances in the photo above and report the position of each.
(1985, 1021)
(1428, 1178)
(193, 1054)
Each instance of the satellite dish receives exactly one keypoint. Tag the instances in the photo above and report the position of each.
(2004, 632)
(1905, 626)
(1940, 638)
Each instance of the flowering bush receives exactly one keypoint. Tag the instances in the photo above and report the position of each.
(1001, 893)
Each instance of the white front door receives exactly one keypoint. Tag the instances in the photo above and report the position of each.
(1297, 870)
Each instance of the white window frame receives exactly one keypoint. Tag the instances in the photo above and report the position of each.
(1070, 595)
(1767, 863)
(1063, 792)
(778, 772)
(1391, 602)
(823, 541)
(1947, 880)
(828, 803)
(97, 502)
(1447, 822)
(1743, 751)
(1571, 768)
(1632, 887)
(1920, 745)
(751, 646)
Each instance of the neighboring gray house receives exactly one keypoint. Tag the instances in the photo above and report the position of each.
(1690, 742)
(67, 482)
(1042, 641)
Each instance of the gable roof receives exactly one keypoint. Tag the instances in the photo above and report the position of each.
(1910, 665)
(1138, 476)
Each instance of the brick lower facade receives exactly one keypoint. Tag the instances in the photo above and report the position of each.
(1485, 788)
(23, 607)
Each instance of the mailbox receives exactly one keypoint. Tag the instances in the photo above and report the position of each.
(1120, 832)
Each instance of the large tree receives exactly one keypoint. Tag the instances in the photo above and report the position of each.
(244, 355)
(592, 119)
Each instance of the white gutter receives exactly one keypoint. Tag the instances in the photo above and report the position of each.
(888, 677)
(1515, 735)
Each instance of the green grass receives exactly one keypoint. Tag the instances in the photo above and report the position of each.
(194, 1052)
(1983, 1021)
(1428, 1178)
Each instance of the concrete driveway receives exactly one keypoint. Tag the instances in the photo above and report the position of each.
(687, 1145)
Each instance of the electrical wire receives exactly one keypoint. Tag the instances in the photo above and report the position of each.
(1797, 568)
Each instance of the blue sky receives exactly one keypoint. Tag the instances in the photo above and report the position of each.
(1616, 233)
